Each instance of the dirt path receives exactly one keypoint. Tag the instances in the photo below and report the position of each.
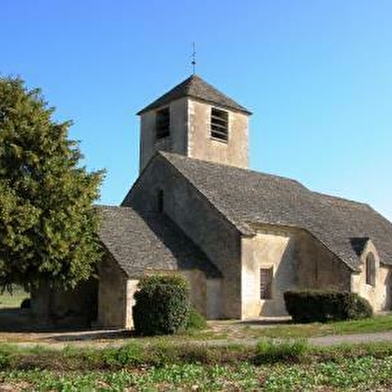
(101, 339)
(219, 333)
(316, 341)
(355, 338)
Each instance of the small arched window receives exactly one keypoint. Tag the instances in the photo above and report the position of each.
(370, 270)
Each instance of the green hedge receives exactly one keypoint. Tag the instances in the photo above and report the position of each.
(162, 305)
(313, 305)
(196, 321)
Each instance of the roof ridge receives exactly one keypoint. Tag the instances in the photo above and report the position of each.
(339, 198)
(386, 220)
(112, 206)
(275, 176)
(240, 227)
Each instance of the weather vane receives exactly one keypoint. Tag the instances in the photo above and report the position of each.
(194, 58)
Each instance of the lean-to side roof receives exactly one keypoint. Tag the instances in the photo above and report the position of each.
(247, 196)
(149, 241)
(196, 87)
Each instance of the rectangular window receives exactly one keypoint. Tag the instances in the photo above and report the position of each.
(219, 124)
(370, 270)
(162, 123)
(266, 275)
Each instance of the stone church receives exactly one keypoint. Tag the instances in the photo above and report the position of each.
(241, 238)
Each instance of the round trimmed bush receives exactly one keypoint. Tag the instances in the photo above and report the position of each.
(358, 308)
(162, 305)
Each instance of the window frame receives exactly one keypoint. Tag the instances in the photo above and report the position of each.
(370, 270)
(265, 285)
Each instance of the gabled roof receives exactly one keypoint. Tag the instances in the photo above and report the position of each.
(196, 87)
(244, 196)
(139, 242)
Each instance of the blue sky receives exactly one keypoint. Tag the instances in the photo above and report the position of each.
(316, 74)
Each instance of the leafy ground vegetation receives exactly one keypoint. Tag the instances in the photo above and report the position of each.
(201, 368)
(361, 374)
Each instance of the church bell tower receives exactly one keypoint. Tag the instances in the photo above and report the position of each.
(196, 120)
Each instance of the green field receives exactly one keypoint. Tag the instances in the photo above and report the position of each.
(345, 368)
(8, 300)
(362, 374)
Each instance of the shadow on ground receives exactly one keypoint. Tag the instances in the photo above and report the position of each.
(92, 335)
(17, 320)
(24, 327)
(22, 320)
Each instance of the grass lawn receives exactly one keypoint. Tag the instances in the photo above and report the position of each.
(250, 330)
(13, 300)
(379, 323)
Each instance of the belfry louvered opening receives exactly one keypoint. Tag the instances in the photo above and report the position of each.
(162, 124)
(219, 124)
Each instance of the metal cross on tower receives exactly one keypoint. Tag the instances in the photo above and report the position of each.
(194, 58)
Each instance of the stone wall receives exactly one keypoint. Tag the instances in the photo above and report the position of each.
(318, 267)
(198, 219)
(198, 291)
(112, 295)
(269, 248)
(197, 285)
(379, 295)
(205, 294)
(131, 289)
(66, 308)
(198, 296)
(299, 261)
(176, 142)
(190, 135)
(215, 299)
(201, 145)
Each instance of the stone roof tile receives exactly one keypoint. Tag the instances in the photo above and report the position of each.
(247, 196)
(149, 241)
(196, 87)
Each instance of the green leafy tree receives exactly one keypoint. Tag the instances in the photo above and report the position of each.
(48, 223)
